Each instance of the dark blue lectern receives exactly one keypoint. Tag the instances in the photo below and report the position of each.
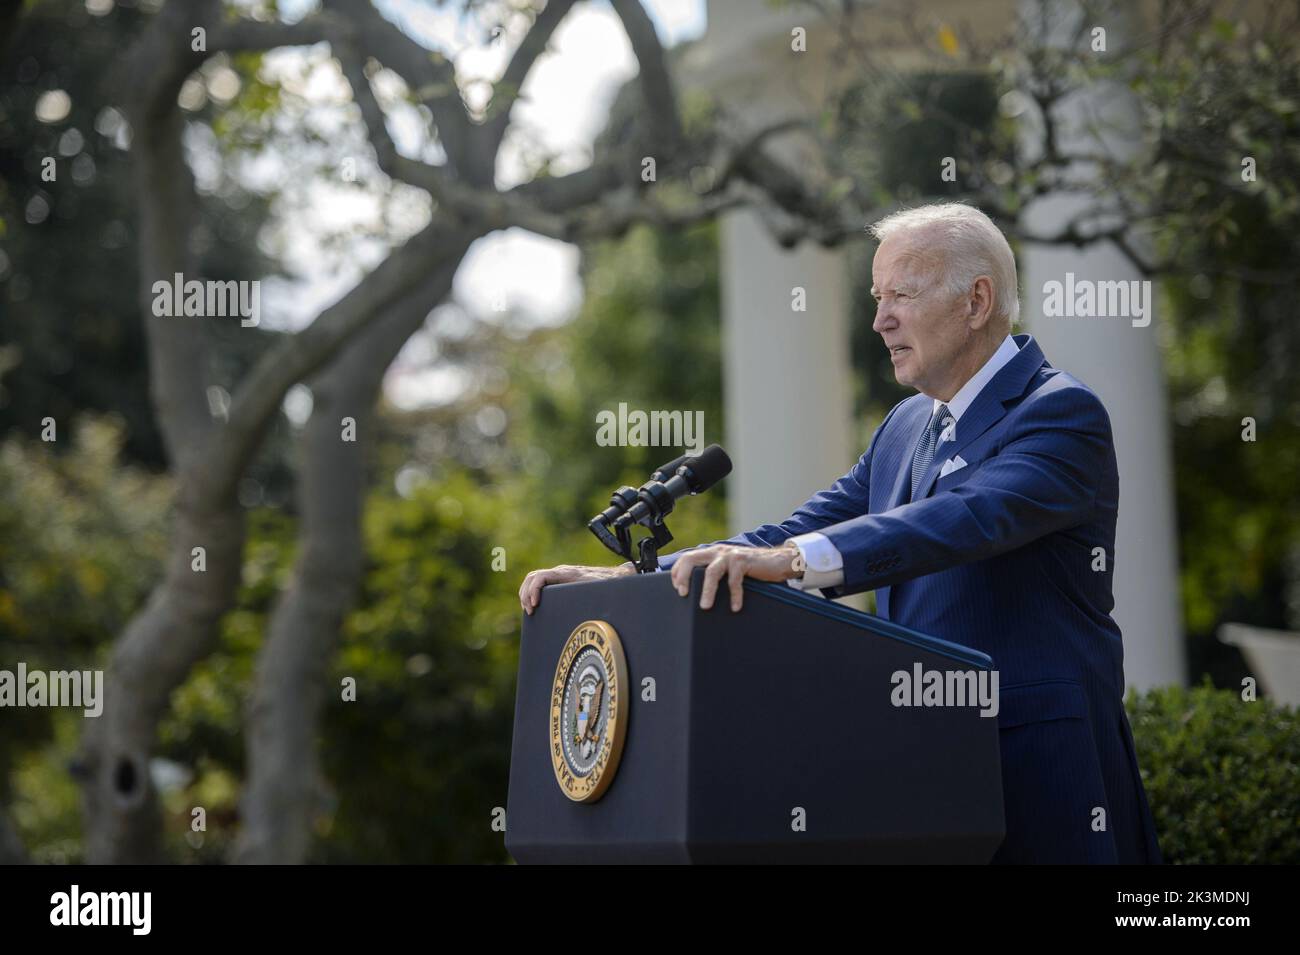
(769, 735)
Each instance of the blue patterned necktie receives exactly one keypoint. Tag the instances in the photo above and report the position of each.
(929, 441)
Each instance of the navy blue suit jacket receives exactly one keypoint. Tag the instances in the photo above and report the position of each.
(1013, 555)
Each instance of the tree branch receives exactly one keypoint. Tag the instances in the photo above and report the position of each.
(283, 793)
(241, 36)
(656, 82)
(506, 91)
(296, 357)
(429, 75)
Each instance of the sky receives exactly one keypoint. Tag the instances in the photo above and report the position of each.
(566, 98)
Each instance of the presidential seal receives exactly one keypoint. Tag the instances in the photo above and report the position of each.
(588, 711)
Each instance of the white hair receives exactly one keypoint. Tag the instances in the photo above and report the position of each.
(968, 245)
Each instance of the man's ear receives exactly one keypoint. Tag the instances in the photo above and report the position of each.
(980, 303)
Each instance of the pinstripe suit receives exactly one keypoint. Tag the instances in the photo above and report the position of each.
(999, 555)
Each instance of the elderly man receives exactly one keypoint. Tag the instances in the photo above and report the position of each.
(982, 512)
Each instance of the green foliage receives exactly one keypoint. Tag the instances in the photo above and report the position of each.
(80, 537)
(72, 339)
(1222, 775)
(648, 334)
(77, 343)
(81, 540)
(420, 760)
(1217, 95)
(417, 762)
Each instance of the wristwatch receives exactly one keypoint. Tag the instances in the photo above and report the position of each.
(797, 563)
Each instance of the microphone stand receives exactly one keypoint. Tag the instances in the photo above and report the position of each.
(620, 541)
(648, 547)
(652, 503)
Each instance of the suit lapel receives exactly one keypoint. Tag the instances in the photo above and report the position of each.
(988, 408)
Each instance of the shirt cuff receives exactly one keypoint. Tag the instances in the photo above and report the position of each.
(823, 565)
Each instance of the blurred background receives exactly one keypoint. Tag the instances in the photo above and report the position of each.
(477, 225)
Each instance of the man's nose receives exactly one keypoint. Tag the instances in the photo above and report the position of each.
(885, 320)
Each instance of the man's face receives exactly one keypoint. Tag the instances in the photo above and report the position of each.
(926, 330)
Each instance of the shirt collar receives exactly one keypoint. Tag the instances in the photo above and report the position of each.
(966, 396)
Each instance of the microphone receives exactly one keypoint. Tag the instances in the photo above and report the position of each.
(695, 475)
(625, 496)
(665, 471)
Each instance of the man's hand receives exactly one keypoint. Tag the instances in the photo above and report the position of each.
(530, 591)
(737, 563)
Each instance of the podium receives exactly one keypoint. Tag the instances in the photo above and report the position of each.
(772, 735)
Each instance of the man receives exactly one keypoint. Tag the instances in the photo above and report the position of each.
(982, 512)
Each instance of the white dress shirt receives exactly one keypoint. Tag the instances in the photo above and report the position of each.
(824, 567)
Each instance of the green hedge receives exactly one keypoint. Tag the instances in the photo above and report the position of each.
(1222, 775)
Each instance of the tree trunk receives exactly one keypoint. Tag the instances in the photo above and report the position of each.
(178, 625)
(284, 790)
(176, 629)
(12, 851)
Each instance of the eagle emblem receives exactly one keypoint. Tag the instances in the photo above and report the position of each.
(588, 711)
(590, 696)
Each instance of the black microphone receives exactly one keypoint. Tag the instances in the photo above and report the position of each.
(625, 496)
(695, 476)
(665, 471)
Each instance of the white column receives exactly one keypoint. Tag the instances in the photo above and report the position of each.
(1122, 364)
(788, 395)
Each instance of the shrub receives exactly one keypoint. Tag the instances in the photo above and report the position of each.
(1222, 775)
